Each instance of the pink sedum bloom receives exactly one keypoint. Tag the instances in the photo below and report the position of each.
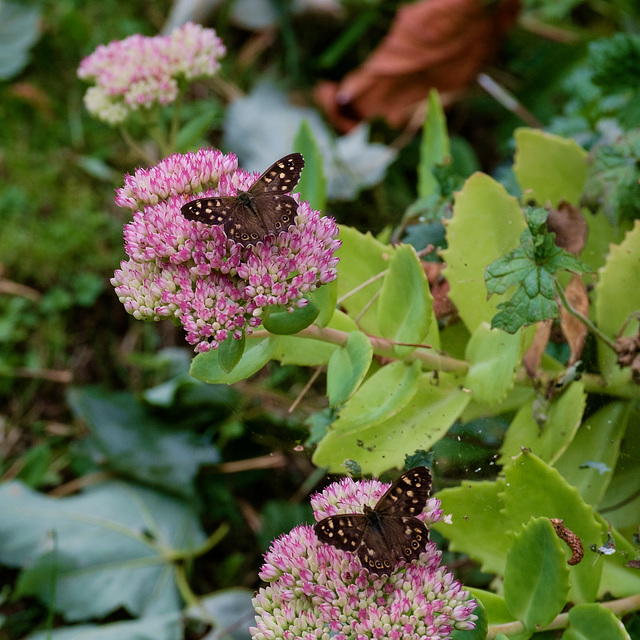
(317, 591)
(192, 273)
(141, 72)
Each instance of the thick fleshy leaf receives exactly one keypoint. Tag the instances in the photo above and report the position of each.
(536, 577)
(230, 352)
(549, 439)
(313, 185)
(549, 168)
(532, 488)
(405, 311)
(325, 298)
(282, 322)
(480, 527)
(589, 461)
(109, 547)
(363, 259)
(384, 394)
(435, 406)
(486, 225)
(206, 366)
(347, 368)
(434, 145)
(594, 622)
(494, 357)
(618, 296)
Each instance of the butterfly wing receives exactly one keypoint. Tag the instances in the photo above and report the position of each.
(281, 177)
(394, 537)
(214, 210)
(342, 531)
(408, 495)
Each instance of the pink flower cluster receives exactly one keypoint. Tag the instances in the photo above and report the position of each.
(192, 273)
(142, 72)
(317, 591)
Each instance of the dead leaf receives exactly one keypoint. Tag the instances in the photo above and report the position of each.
(439, 44)
(533, 357)
(570, 227)
(575, 331)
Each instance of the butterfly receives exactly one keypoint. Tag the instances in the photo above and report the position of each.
(388, 532)
(251, 215)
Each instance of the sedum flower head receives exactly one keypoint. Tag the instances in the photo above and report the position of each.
(142, 72)
(317, 591)
(192, 273)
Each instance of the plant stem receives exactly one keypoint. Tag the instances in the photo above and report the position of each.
(576, 314)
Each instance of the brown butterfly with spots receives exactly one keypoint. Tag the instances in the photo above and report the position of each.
(390, 531)
(251, 215)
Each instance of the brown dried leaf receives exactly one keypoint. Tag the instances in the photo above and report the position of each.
(575, 331)
(570, 227)
(533, 357)
(439, 44)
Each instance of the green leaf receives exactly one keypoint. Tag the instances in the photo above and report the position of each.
(551, 438)
(206, 366)
(532, 488)
(594, 622)
(486, 224)
(129, 568)
(597, 442)
(383, 394)
(480, 527)
(325, 298)
(435, 406)
(348, 367)
(19, 29)
(494, 358)
(532, 268)
(166, 626)
(549, 168)
(313, 184)
(363, 260)
(493, 604)
(308, 352)
(280, 321)
(131, 440)
(230, 352)
(536, 577)
(434, 145)
(405, 311)
(231, 610)
(618, 296)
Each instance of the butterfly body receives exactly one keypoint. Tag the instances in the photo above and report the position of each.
(390, 531)
(251, 215)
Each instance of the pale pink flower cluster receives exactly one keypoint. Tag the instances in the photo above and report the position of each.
(317, 591)
(142, 72)
(192, 273)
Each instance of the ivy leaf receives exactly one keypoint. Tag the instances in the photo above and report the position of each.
(531, 268)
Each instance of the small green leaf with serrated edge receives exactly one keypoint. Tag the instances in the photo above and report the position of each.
(348, 367)
(594, 622)
(536, 576)
(532, 268)
(282, 322)
(230, 352)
